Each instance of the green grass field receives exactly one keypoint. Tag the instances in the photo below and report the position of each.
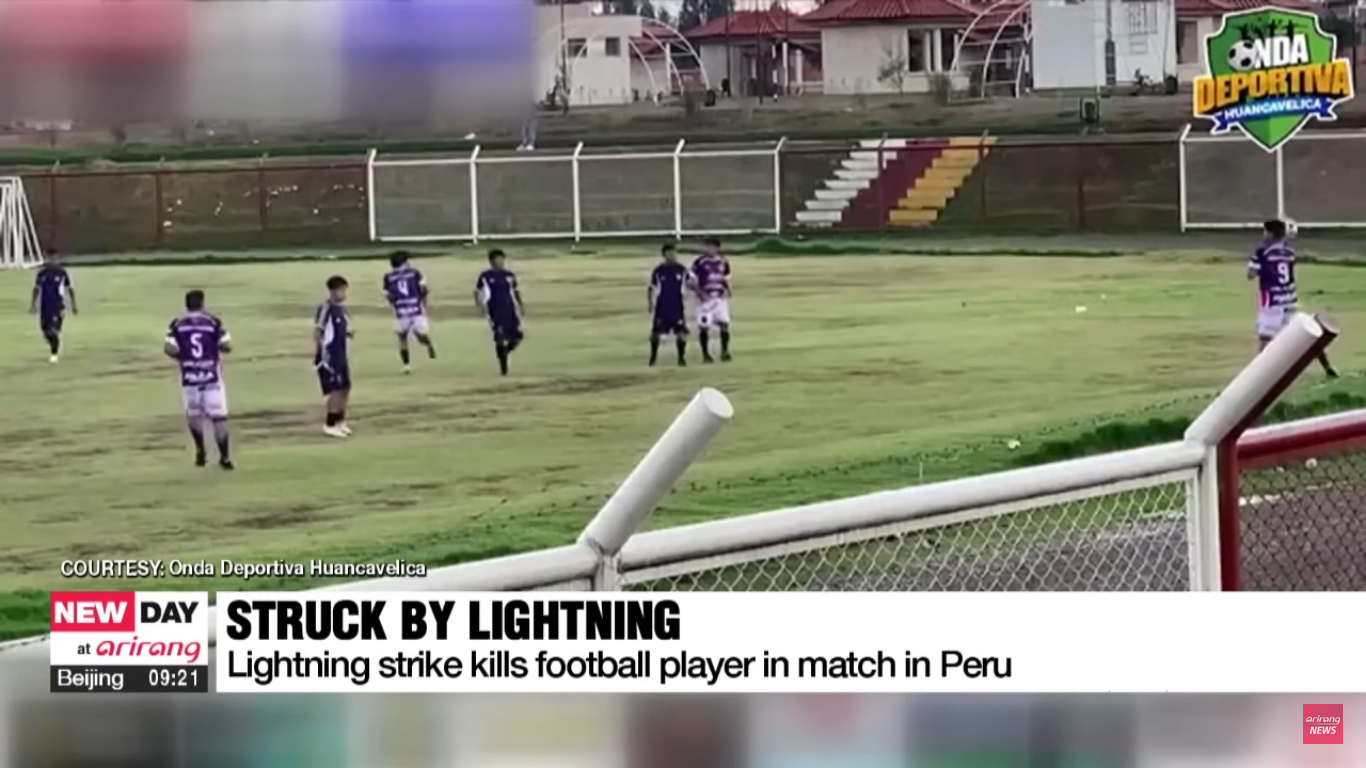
(852, 374)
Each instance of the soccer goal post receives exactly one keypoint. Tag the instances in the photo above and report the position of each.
(18, 238)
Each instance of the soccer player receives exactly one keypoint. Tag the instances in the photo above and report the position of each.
(197, 341)
(1273, 267)
(406, 290)
(664, 299)
(51, 289)
(497, 295)
(331, 332)
(711, 283)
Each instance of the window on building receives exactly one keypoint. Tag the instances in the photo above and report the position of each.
(948, 47)
(916, 57)
(612, 46)
(1187, 42)
(575, 46)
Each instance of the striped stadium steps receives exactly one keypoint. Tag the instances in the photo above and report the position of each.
(925, 197)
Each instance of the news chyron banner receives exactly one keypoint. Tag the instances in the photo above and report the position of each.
(129, 642)
(429, 642)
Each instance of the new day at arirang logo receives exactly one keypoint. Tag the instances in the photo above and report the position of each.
(1270, 72)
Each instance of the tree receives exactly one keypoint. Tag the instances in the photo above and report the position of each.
(694, 13)
(646, 9)
(893, 69)
(690, 14)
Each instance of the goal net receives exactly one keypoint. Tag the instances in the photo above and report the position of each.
(18, 238)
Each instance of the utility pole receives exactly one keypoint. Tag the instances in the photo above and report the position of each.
(1110, 43)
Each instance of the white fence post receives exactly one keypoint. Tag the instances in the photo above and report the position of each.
(474, 194)
(1280, 182)
(678, 189)
(652, 479)
(578, 193)
(370, 190)
(1182, 196)
(778, 185)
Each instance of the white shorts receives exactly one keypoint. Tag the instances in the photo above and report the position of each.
(713, 312)
(411, 326)
(1272, 320)
(206, 401)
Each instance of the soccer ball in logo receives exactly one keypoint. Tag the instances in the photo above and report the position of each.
(1241, 56)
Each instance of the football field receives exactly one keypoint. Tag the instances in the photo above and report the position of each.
(851, 374)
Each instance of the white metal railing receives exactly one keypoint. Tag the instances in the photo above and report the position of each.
(577, 194)
(1139, 519)
(1316, 179)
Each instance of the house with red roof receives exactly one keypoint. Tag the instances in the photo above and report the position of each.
(888, 46)
(766, 53)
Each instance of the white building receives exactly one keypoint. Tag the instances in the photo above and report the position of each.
(1069, 40)
(609, 59)
(875, 46)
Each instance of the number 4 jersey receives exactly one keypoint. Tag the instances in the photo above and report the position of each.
(198, 338)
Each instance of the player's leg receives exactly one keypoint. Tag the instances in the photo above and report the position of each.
(721, 317)
(51, 326)
(500, 349)
(215, 406)
(343, 399)
(656, 338)
(401, 331)
(193, 400)
(424, 335)
(704, 323)
(1327, 366)
(327, 379)
(681, 342)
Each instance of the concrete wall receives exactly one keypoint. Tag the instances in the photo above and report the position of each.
(854, 56)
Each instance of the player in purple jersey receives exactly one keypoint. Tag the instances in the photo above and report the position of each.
(711, 282)
(197, 341)
(331, 334)
(664, 302)
(406, 290)
(1272, 266)
(51, 291)
(498, 296)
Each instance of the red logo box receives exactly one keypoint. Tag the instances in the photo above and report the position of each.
(1322, 723)
(94, 611)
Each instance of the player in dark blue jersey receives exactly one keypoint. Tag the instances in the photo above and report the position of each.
(52, 290)
(664, 302)
(406, 291)
(197, 341)
(1272, 266)
(331, 334)
(500, 299)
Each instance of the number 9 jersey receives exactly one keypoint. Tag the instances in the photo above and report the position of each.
(198, 341)
(1273, 266)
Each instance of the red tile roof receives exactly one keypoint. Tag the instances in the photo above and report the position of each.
(1192, 9)
(877, 11)
(771, 23)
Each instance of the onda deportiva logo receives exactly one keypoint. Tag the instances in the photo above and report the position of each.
(1270, 71)
(1322, 723)
(129, 628)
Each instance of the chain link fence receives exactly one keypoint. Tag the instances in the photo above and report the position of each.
(1229, 182)
(1126, 539)
(573, 194)
(1302, 525)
